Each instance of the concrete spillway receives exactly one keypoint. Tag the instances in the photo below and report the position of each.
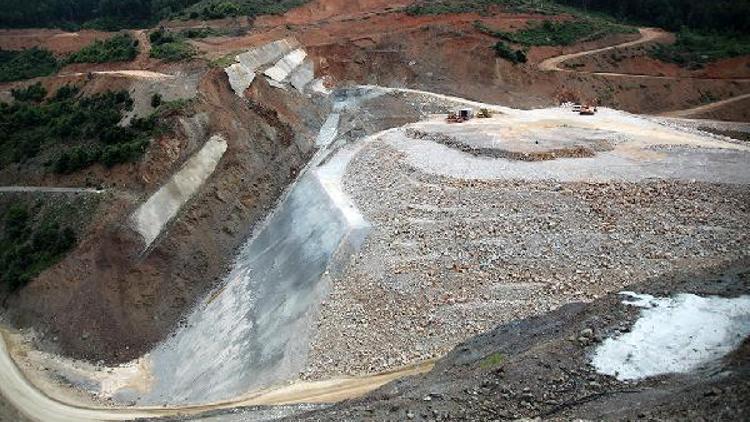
(254, 332)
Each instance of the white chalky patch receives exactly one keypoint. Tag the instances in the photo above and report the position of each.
(674, 335)
(151, 217)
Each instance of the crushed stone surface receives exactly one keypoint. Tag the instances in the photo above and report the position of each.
(449, 258)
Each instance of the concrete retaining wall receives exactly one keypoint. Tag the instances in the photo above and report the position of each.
(151, 217)
(242, 73)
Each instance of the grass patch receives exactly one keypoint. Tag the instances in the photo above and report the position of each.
(219, 9)
(170, 46)
(550, 33)
(492, 361)
(120, 48)
(84, 130)
(694, 50)
(198, 33)
(224, 61)
(16, 65)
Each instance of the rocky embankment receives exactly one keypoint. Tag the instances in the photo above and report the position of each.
(540, 368)
(451, 258)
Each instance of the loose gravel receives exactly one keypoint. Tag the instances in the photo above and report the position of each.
(450, 258)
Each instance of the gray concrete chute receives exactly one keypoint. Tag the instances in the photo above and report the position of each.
(254, 333)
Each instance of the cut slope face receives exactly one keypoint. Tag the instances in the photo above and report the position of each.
(254, 332)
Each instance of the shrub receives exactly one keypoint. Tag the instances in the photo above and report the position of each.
(173, 51)
(34, 93)
(27, 247)
(169, 46)
(693, 50)
(26, 64)
(120, 48)
(155, 100)
(85, 130)
(505, 52)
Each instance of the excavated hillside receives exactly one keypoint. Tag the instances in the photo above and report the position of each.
(91, 303)
(305, 226)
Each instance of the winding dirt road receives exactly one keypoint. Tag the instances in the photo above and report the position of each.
(46, 189)
(647, 35)
(553, 64)
(706, 107)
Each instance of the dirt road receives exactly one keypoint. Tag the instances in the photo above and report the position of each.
(706, 107)
(46, 189)
(553, 63)
(35, 404)
(647, 35)
(134, 74)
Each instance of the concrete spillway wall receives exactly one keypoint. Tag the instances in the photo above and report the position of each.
(254, 332)
(151, 217)
(282, 53)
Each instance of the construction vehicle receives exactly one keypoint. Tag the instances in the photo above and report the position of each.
(484, 114)
(453, 118)
(587, 110)
(463, 115)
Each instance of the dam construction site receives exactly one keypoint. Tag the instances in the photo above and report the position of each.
(322, 210)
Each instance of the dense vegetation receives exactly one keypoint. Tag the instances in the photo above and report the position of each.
(694, 49)
(70, 131)
(26, 64)
(437, 7)
(217, 9)
(117, 14)
(705, 15)
(16, 65)
(708, 30)
(170, 46)
(29, 245)
(120, 48)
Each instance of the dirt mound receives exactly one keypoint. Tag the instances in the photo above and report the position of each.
(551, 154)
(59, 42)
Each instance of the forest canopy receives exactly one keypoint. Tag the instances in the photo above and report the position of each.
(118, 14)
